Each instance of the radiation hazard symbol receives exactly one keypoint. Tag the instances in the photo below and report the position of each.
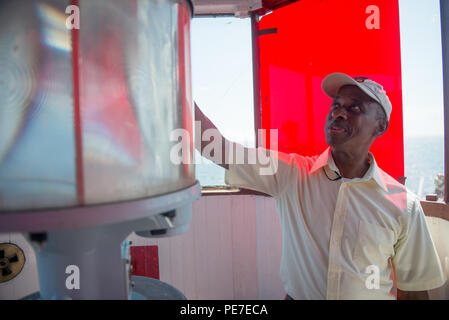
(12, 261)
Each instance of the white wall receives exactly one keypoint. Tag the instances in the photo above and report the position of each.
(439, 229)
(229, 252)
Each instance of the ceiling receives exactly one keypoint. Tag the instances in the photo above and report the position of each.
(239, 8)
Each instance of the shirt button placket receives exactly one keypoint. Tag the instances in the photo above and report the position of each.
(336, 234)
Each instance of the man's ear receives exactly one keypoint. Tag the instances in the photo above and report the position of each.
(382, 126)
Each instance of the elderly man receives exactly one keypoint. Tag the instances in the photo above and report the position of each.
(346, 223)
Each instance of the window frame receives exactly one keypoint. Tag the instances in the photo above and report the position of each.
(226, 189)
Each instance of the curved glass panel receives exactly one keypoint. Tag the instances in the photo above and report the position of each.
(89, 113)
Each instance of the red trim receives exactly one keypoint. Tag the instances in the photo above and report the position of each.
(145, 261)
(77, 115)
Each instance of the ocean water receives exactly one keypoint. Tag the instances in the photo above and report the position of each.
(423, 160)
(208, 173)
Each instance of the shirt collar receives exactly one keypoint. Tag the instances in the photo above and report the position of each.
(326, 159)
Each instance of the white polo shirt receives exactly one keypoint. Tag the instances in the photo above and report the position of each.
(338, 235)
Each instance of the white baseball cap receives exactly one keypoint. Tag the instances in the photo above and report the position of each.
(334, 81)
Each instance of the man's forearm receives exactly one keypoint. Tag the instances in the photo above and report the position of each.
(206, 124)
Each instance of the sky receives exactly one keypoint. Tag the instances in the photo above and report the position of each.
(422, 75)
(222, 71)
(222, 74)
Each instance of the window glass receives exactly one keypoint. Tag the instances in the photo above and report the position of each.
(222, 83)
(422, 83)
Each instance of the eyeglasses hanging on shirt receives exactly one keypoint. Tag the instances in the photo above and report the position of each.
(338, 175)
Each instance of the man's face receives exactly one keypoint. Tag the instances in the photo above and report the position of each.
(352, 122)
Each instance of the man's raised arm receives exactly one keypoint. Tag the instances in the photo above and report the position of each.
(206, 124)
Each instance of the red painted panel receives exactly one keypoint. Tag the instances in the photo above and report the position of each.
(145, 261)
(315, 38)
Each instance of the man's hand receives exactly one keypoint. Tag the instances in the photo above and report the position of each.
(413, 295)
